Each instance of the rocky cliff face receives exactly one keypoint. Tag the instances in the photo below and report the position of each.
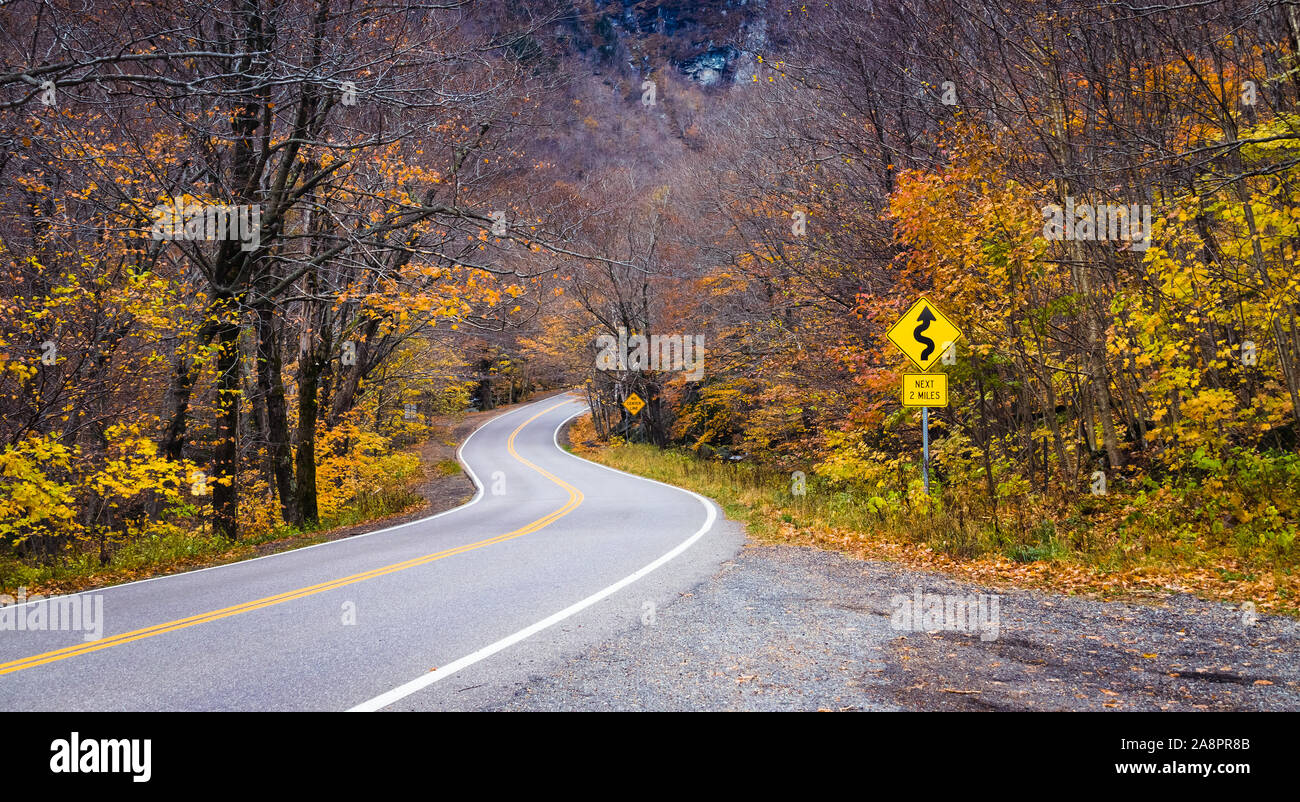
(713, 42)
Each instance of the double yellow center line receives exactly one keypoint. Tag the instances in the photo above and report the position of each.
(575, 498)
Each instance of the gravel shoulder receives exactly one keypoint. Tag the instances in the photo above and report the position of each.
(796, 628)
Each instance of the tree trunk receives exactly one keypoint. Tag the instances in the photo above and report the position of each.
(225, 457)
(270, 382)
(310, 364)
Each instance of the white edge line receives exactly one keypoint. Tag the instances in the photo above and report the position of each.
(478, 495)
(442, 672)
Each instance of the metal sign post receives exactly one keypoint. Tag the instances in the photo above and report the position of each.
(925, 447)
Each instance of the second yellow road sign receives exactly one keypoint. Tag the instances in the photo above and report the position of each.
(925, 389)
(633, 403)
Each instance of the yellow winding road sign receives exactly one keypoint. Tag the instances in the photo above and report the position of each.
(923, 333)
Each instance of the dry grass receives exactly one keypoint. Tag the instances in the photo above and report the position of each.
(1086, 545)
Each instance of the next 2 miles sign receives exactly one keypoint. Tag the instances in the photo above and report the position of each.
(925, 389)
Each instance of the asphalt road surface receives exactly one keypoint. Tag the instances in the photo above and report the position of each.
(553, 556)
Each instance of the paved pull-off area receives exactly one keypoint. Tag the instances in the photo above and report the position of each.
(793, 628)
(566, 585)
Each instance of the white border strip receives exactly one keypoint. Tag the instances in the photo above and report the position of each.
(442, 672)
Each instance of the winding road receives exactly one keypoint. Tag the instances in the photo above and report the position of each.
(553, 555)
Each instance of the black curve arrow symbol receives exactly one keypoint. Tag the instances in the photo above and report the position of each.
(926, 318)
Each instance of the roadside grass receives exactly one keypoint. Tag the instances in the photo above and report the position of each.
(446, 467)
(1130, 543)
(186, 543)
(178, 549)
